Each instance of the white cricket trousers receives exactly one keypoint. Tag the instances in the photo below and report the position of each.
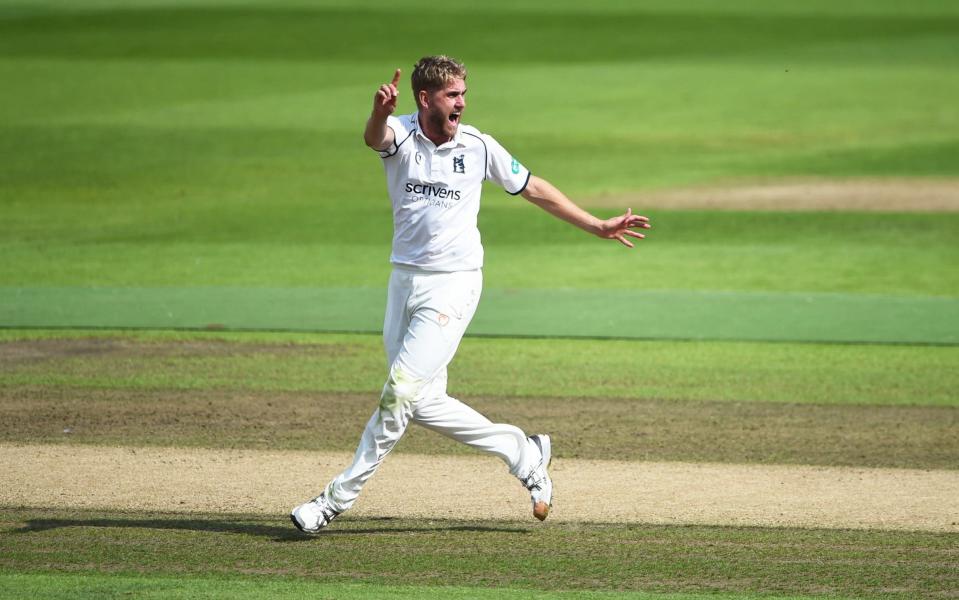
(427, 313)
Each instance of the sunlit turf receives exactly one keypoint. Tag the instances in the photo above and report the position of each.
(193, 144)
(57, 586)
(398, 552)
(804, 373)
(772, 252)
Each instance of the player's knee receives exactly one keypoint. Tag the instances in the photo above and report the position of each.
(401, 389)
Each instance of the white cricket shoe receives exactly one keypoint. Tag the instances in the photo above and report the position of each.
(538, 483)
(314, 515)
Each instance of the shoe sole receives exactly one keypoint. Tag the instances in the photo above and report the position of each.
(541, 509)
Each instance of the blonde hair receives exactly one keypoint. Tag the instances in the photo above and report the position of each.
(432, 73)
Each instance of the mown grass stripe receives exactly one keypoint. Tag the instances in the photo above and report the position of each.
(71, 586)
(542, 313)
(264, 362)
(746, 561)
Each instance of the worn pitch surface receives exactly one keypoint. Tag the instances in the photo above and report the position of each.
(259, 481)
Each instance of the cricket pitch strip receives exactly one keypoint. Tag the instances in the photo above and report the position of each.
(458, 487)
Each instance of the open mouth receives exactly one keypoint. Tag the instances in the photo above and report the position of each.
(454, 117)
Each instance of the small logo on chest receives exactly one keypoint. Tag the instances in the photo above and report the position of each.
(459, 164)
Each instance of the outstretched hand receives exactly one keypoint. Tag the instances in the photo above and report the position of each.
(384, 102)
(618, 228)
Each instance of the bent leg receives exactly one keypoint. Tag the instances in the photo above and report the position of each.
(432, 311)
(458, 421)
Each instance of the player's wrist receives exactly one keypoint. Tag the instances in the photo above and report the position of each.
(379, 116)
(594, 226)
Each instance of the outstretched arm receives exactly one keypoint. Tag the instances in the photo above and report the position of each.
(377, 135)
(544, 195)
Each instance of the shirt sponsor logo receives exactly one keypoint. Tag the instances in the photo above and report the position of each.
(515, 167)
(424, 189)
(432, 195)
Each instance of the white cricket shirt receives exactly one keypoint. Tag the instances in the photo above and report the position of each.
(436, 193)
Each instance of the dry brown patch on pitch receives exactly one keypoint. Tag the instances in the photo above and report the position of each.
(862, 194)
(597, 428)
(417, 486)
(198, 418)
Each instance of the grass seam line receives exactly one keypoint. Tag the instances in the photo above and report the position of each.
(916, 344)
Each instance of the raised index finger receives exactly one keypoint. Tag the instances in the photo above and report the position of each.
(396, 77)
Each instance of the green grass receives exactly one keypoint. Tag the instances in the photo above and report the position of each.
(198, 145)
(46, 586)
(713, 371)
(395, 552)
(570, 313)
(228, 152)
(193, 145)
(770, 252)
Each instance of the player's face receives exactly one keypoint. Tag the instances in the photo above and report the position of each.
(444, 108)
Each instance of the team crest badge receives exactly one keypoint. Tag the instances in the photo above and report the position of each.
(459, 164)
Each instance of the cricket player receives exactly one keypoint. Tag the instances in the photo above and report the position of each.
(435, 167)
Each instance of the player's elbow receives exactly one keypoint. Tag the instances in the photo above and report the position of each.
(371, 142)
(533, 190)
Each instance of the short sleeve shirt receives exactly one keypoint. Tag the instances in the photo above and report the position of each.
(435, 192)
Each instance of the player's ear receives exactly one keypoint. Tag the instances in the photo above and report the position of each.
(423, 99)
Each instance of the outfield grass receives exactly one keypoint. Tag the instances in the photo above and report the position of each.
(46, 586)
(225, 160)
(746, 561)
(560, 368)
(902, 254)
(197, 145)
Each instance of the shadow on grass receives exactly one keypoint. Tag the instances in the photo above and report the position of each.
(278, 533)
